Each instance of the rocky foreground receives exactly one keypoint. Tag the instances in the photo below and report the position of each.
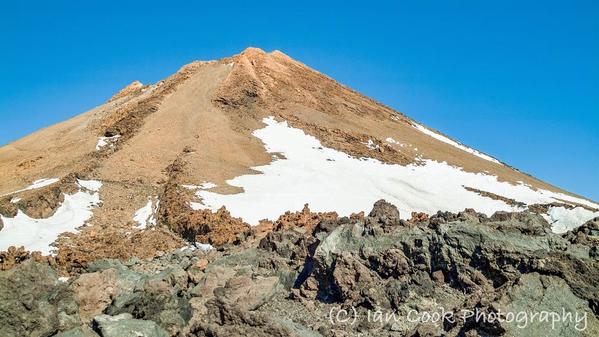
(448, 275)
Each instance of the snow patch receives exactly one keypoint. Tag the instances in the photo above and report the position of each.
(330, 180)
(90, 185)
(39, 234)
(563, 219)
(203, 186)
(147, 215)
(454, 143)
(41, 183)
(37, 184)
(103, 141)
(371, 145)
(207, 185)
(203, 246)
(15, 200)
(392, 141)
(198, 246)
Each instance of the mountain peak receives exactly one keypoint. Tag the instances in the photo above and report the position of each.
(253, 51)
(260, 134)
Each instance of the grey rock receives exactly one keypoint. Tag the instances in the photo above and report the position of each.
(124, 325)
(159, 298)
(83, 331)
(384, 212)
(288, 283)
(33, 302)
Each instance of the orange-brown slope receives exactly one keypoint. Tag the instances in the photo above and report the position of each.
(205, 114)
(263, 84)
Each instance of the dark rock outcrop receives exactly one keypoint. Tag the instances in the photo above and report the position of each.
(294, 280)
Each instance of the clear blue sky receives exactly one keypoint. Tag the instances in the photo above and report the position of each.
(518, 80)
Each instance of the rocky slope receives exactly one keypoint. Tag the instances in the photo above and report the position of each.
(295, 279)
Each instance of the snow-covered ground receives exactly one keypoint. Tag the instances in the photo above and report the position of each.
(198, 188)
(197, 245)
(393, 141)
(371, 145)
(103, 141)
(37, 184)
(205, 186)
(146, 216)
(330, 180)
(38, 234)
(563, 219)
(454, 143)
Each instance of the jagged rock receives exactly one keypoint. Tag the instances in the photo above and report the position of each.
(33, 302)
(84, 331)
(539, 293)
(247, 293)
(15, 255)
(305, 219)
(225, 321)
(158, 298)
(94, 292)
(124, 325)
(287, 283)
(588, 233)
(390, 263)
(354, 282)
(384, 213)
(7, 208)
(289, 244)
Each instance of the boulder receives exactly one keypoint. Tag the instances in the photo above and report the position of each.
(124, 325)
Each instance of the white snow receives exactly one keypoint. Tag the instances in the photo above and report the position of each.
(63, 279)
(38, 234)
(197, 245)
(91, 185)
(103, 141)
(36, 184)
(203, 246)
(205, 186)
(346, 184)
(563, 219)
(15, 200)
(371, 145)
(454, 143)
(40, 183)
(147, 215)
(392, 141)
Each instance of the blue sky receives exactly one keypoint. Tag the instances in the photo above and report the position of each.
(515, 79)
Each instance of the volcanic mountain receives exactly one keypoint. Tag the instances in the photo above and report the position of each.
(221, 146)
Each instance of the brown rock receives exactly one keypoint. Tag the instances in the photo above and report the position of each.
(304, 219)
(94, 292)
(438, 276)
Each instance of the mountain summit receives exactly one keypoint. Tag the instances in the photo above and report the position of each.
(221, 146)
